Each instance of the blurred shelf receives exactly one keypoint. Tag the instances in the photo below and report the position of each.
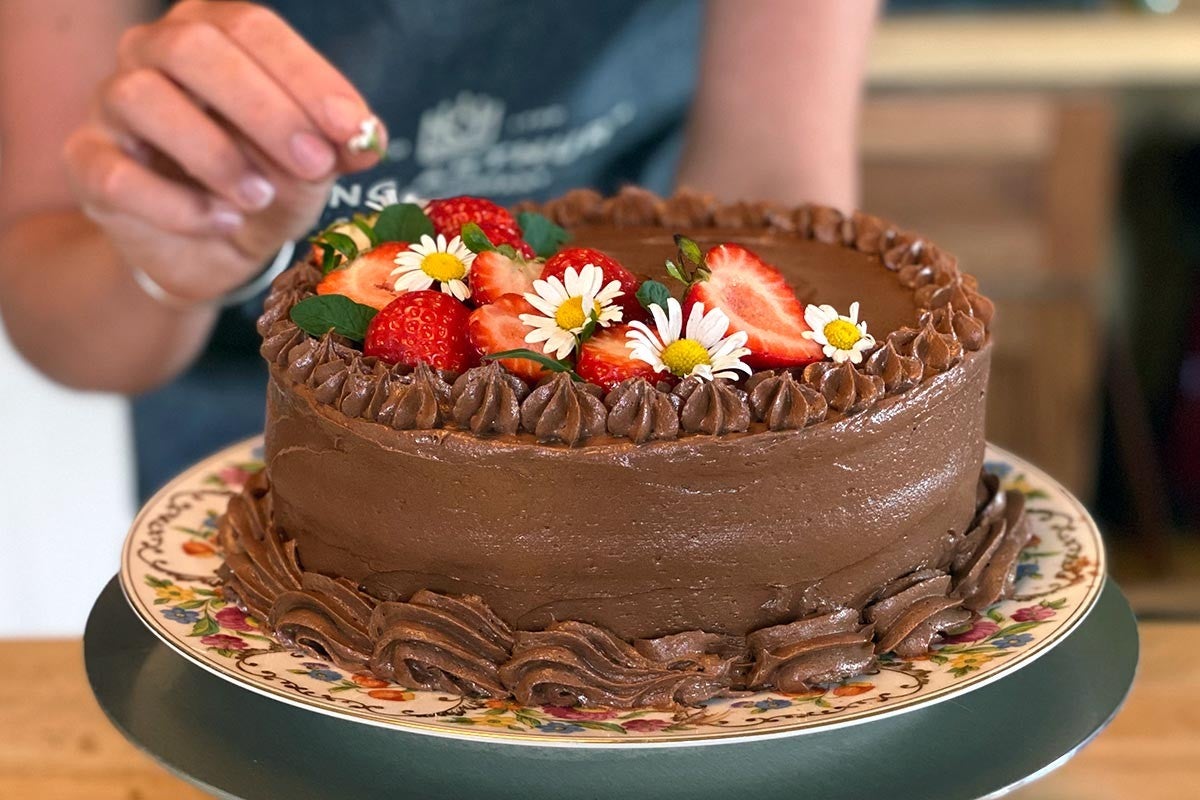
(1036, 51)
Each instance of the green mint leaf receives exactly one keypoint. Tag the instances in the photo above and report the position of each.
(403, 222)
(542, 235)
(653, 293)
(342, 243)
(475, 239)
(689, 250)
(319, 314)
(552, 364)
(364, 225)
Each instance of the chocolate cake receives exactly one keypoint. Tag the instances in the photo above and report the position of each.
(515, 529)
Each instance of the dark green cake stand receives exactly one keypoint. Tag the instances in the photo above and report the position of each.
(235, 743)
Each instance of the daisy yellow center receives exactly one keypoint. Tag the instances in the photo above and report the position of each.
(842, 334)
(443, 267)
(569, 315)
(683, 355)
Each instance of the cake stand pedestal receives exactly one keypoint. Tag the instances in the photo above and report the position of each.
(235, 743)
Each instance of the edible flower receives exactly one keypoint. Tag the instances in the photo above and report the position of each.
(705, 350)
(430, 261)
(841, 338)
(571, 308)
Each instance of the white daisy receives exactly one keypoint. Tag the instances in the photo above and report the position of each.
(841, 338)
(702, 351)
(427, 261)
(367, 137)
(562, 304)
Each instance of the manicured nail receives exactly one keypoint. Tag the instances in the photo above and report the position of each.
(256, 192)
(226, 219)
(312, 153)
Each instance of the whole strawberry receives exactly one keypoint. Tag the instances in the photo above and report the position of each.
(579, 257)
(448, 215)
(424, 326)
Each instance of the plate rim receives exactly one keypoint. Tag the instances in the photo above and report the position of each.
(820, 725)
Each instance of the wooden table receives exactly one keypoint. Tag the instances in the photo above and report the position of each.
(55, 743)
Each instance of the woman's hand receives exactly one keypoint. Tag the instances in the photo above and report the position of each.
(215, 141)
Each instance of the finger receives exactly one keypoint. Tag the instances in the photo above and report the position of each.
(223, 77)
(328, 98)
(149, 106)
(107, 180)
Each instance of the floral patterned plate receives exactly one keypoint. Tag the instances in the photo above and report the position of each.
(168, 574)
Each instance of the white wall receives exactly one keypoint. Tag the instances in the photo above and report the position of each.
(66, 499)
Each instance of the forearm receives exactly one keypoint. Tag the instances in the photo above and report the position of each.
(74, 310)
(777, 104)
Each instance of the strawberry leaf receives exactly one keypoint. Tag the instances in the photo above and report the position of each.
(676, 272)
(403, 222)
(319, 314)
(552, 364)
(689, 250)
(542, 235)
(475, 239)
(653, 293)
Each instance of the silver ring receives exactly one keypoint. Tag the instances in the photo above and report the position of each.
(238, 296)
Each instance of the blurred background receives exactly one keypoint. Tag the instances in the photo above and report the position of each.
(1054, 146)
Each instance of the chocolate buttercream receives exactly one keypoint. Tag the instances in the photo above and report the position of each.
(914, 610)
(899, 373)
(564, 410)
(714, 407)
(845, 388)
(641, 413)
(415, 402)
(434, 641)
(985, 558)
(573, 663)
(487, 400)
(826, 647)
(782, 403)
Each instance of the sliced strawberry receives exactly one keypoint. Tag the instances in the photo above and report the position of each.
(497, 327)
(579, 257)
(427, 326)
(605, 359)
(367, 279)
(757, 300)
(494, 275)
(450, 214)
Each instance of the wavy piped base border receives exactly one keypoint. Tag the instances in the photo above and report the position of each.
(169, 574)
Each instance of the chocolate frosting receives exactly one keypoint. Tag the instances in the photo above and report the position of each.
(899, 373)
(912, 611)
(845, 388)
(564, 410)
(826, 647)
(984, 559)
(434, 641)
(642, 413)
(573, 663)
(713, 407)
(783, 403)
(415, 402)
(488, 399)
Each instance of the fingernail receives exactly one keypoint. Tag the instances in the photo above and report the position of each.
(226, 219)
(343, 114)
(312, 153)
(256, 192)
